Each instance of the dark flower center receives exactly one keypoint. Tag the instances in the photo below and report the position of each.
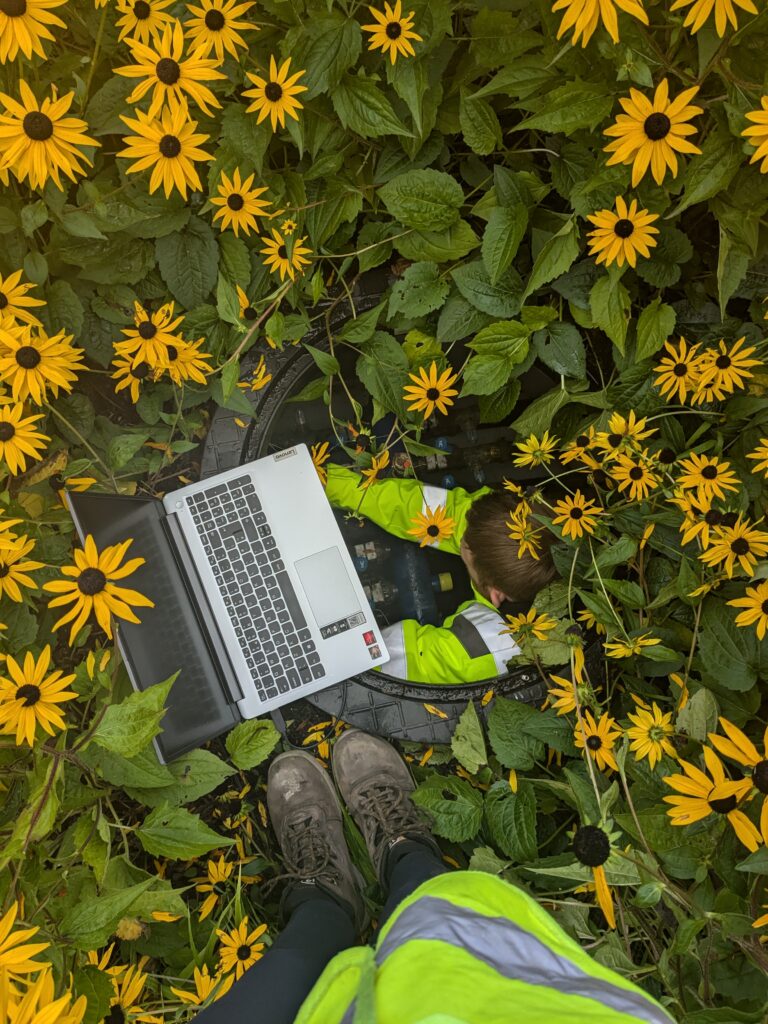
(713, 517)
(169, 146)
(140, 371)
(623, 228)
(591, 846)
(614, 440)
(273, 91)
(116, 1015)
(657, 126)
(7, 430)
(4, 570)
(576, 513)
(56, 482)
(147, 330)
(636, 473)
(91, 581)
(760, 776)
(214, 20)
(282, 252)
(13, 8)
(168, 71)
(28, 357)
(709, 472)
(740, 546)
(172, 353)
(728, 803)
(723, 362)
(729, 519)
(680, 369)
(235, 201)
(764, 607)
(594, 742)
(3, 300)
(243, 952)
(433, 394)
(28, 694)
(37, 126)
(394, 30)
(141, 10)
(667, 456)
(433, 530)
(250, 313)
(582, 440)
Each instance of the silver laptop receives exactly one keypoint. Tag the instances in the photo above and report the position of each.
(257, 602)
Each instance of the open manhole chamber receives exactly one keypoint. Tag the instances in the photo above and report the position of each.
(402, 579)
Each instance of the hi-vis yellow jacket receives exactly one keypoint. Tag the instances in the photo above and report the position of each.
(469, 646)
(469, 948)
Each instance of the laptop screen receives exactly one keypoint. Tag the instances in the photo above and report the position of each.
(171, 637)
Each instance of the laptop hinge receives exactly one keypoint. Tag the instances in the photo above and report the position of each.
(197, 594)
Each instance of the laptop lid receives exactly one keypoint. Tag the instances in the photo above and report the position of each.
(173, 636)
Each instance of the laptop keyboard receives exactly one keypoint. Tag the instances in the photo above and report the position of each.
(258, 594)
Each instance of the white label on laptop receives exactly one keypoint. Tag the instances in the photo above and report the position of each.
(284, 455)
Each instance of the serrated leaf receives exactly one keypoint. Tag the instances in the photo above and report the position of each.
(129, 726)
(174, 832)
(251, 742)
(192, 775)
(699, 716)
(511, 819)
(420, 290)
(610, 304)
(479, 124)
(561, 347)
(484, 375)
(426, 200)
(467, 742)
(88, 925)
(504, 298)
(362, 108)
(568, 108)
(654, 326)
(452, 243)
(513, 747)
(555, 258)
(503, 234)
(189, 262)
(455, 807)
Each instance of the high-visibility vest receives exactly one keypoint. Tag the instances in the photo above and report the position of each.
(469, 646)
(469, 948)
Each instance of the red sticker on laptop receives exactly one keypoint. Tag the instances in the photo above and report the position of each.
(369, 637)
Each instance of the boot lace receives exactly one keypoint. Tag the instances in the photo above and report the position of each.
(387, 812)
(307, 852)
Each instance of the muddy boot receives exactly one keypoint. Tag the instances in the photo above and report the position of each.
(307, 818)
(376, 786)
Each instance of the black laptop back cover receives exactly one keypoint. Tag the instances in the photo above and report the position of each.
(171, 637)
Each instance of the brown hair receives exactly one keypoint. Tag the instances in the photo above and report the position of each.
(495, 554)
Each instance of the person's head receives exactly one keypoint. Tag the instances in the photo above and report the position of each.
(491, 556)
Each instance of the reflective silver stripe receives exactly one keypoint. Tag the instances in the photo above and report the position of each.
(395, 643)
(489, 625)
(513, 952)
(433, 497)
(468, 636)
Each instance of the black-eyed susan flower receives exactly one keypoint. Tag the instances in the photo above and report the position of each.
(167, 75)
(592, 847)
(31, 695)
(207, 988)
(24, 25)
(127, 991)
(15, 301)
(634, 474)
(432, 526)
(216, 25)
(239, 949)
(737, 746)
(631, 647)
(288, 256)
(19, 438)
(239, 204)
(102, 960)
(143, 20)
(650, 734)
(740, 544)
(757, 134)
(288, 226)
(535, 452)
(320, 454)
(33, 364)
(247, 311)
(37, 1002)
(530, 623)
(17, 953)
(169, 145)
(577, 515)
(568, 694)
(431, 390)
(275, 95)
(583, 16)
(697, 795)
(185, 362)
(723, 369)
(378, 464)
(761, 455)
(214, 884)
(700, 517)
(15, 568)
(649, 135)
(599, 738)
(575, 450)
(525, 533)
(90, 587)
(151, 334)
(723, 10)
(38, 141)
(623, 432)
(259, 377)
(129, 376)
(677, 373)
(590, 621)
(754, 603)
(710, 476)
(392, 31)
(619, 236)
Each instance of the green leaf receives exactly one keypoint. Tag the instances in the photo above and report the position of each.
(374, 244)
(331, 47)
(711, 172)
(484, 375)
(33, 216)
(506, 338)
(420, 290)
(230, 375)
(555, 257)
(247, 140)
(732, 264)
(383, 371)
(610, 304)
(129, 726)
(192, 775)
(234, 261)
(325, 362)
(227, 302)
(654, 325)
(506, 731)
(456, 808)
(618, 553)
(98, 990)
(498, 36)
(569, 108)
(730, 655)
(362, 108)
(664, 267)
(189, 261)
(88, 925)
(106, 105)
(504, 298)
(251, 742)
(361, 329)
(467, 743)
(479, 124)
(630, 594)
(452, 243)
(458, 319)
(756, 863)
(511, 819)
(123, 448)
(561, 348)
(503, 234)
(142, 771)
(497, 407)
(174, 832)
(426, 200)
(699, 716)
(79, 224)
(63, 309)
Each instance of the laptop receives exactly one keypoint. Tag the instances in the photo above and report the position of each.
(257, 601)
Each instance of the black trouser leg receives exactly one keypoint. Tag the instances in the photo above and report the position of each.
(274, 988)
(409, 864)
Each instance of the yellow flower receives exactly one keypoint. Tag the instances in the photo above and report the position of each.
(214, 884)
(15, 303)
(259, 377)
(38, 1004)
(432, 527)
(23, 27)
(91, 586)
(755, 603)
(240, 949)
(702, 9)
(16, 952)
(205, 987)
(563, 696)
(535, 452)
(144, 20)
(214, 25)
(526, 533)
(169, 145)
(238, 204)
(631, 647)
(247, 312)
(530, 624)
(592, 848)
(599, 738)
(621, 432)
(151, 334)
(589, 620)
(18, 438)
(320, 455)
(620, 236)
(650, 734)
(740, 543)
(127, 990)
(680, 682)
(14, 569)
(722, 370)
(583, 16)
(634, 474)
(757, 134)
(30, 695)
(129, 375)
(677, 374)
(430, 390)
(578, 515)
(34, 364)
(392, 31)
(102, 960)
(650, 134)
(761, 454)
(278, 257)
(275, 96)
(378, 463)
(184, 361)
(288, 226)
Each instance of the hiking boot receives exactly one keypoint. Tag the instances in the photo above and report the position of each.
(376, 786)
(307, 818)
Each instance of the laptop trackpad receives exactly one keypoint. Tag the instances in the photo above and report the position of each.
(329, 591)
